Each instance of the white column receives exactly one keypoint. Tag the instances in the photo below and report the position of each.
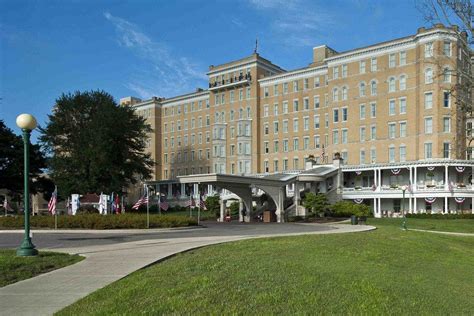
(472, 205)
(241, 208)
(375, 208)
(280, 206)
(415, 211)
(445, 205)
(410, 181)
(380, 206)
(221, 201)
(375, 178)
(170, 191)
(379, 178)
(183, 190)
(415, 183)
(209, 190)
(410, 207)
(446, 178)
(296, 197)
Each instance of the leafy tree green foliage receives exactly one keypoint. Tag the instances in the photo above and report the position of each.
(348, 208)
(213, 204)
(316, 203)
(95, 145)
(234, 208)
(11, 164)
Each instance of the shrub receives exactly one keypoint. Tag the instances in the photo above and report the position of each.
(316, 203)
(87, 209)
(348, 208)
(441, 216)
(97, 221)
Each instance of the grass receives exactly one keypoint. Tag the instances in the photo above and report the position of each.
(14, 269)
(387, 271)
(447, 225)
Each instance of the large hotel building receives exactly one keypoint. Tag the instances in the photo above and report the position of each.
(390, 103)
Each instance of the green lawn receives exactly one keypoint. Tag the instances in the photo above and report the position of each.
(387, 271)
(14, 269)
(447, 225)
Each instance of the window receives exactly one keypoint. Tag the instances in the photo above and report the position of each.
(362, 112)
(344, 136)
(306, 123)
(362, 66)
(391, 153)
(275, 127)
(344, 114)
(429, 50)
(335, 116)
(447, 48)
(403, 129)
(335, 72)
(316, 121)
(391, 107)
(402, 105)
(296, 143)
(285, 107)
(402, 83)
(391, 84)
(285, 145)
(305, 143)
(275, 90)
(275, 146)
(403, 153)
(373, 132)
(326, 120)
(317, 142)
(403, 58)
(362, 156)
(275, 109)
(446, 75)
(306, 104)
(373, 64)
(265, 129)
(295, 163)
(428, 150)
(265, 166)
(428, 100)
(316, 82)
(428, 125)
(335, 137)
(362, 89)
(446, 99)
(285, 164)
(344, 155)
(446, 150)
(295, 86)
(391, 60)
(335, 94)
(306, 84)
(266, 147)
(446, 124)
(373, 87)
(316, 102)
(344, 71)
(373, 109)
(428, 75)
(265, 92)
(373, 155)
(295, 125)
(362, 134)
(265, 112)
(275, 165)
(391, 130)
(295, 105)
(285, 126)
(285, 87)
(344, 93)
(231, 96)
(248, 93)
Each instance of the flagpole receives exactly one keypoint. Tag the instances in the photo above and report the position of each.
(159, 203)
(199, 204)
(190, 203)
(147, 208)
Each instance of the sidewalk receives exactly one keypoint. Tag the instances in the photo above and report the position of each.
(104, 264)
(443, 233)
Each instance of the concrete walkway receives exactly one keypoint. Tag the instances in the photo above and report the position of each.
(104, 264)
(443, 233)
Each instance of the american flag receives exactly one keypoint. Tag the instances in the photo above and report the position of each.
(6, 205)
(52, 201)
(202, 203)
(323, 153)
(190, 203)
(141, 201)
(163, 204)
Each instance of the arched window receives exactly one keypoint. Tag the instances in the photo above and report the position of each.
(391, 84)
(335, 94)
(362, 89)
(344, 93)
(428, 75)
(373, 87)
(446, 75)
(403, 82)
(217, 117)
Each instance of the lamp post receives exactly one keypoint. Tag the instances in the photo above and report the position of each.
(404, 223)
(27, 123)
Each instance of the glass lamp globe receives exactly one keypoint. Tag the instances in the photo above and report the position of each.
(26, 121)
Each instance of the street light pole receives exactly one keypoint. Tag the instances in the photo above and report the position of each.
(27, 123)
(404, 223)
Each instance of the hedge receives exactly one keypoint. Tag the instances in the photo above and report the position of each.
(96, 221)
(441, 216)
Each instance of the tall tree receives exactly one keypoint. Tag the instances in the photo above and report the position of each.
(11, 164)
(94, 144)
(459, 15)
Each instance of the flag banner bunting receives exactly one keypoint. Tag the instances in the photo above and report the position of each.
(358, 173)
(430, 168)
(163, 204)
(430, 200)
(395, 171)
(460, 169)
(52, 201)
(410, 187)
(459, 200)
(374, 187)
(6, 205)
(140, 202)
(202, 203)
(358, 201)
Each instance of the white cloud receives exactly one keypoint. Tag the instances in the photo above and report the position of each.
(171, 75)
(295, 22)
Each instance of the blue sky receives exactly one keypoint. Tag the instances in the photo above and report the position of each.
(164, 48)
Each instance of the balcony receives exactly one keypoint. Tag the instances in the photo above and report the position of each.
(229, 83)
